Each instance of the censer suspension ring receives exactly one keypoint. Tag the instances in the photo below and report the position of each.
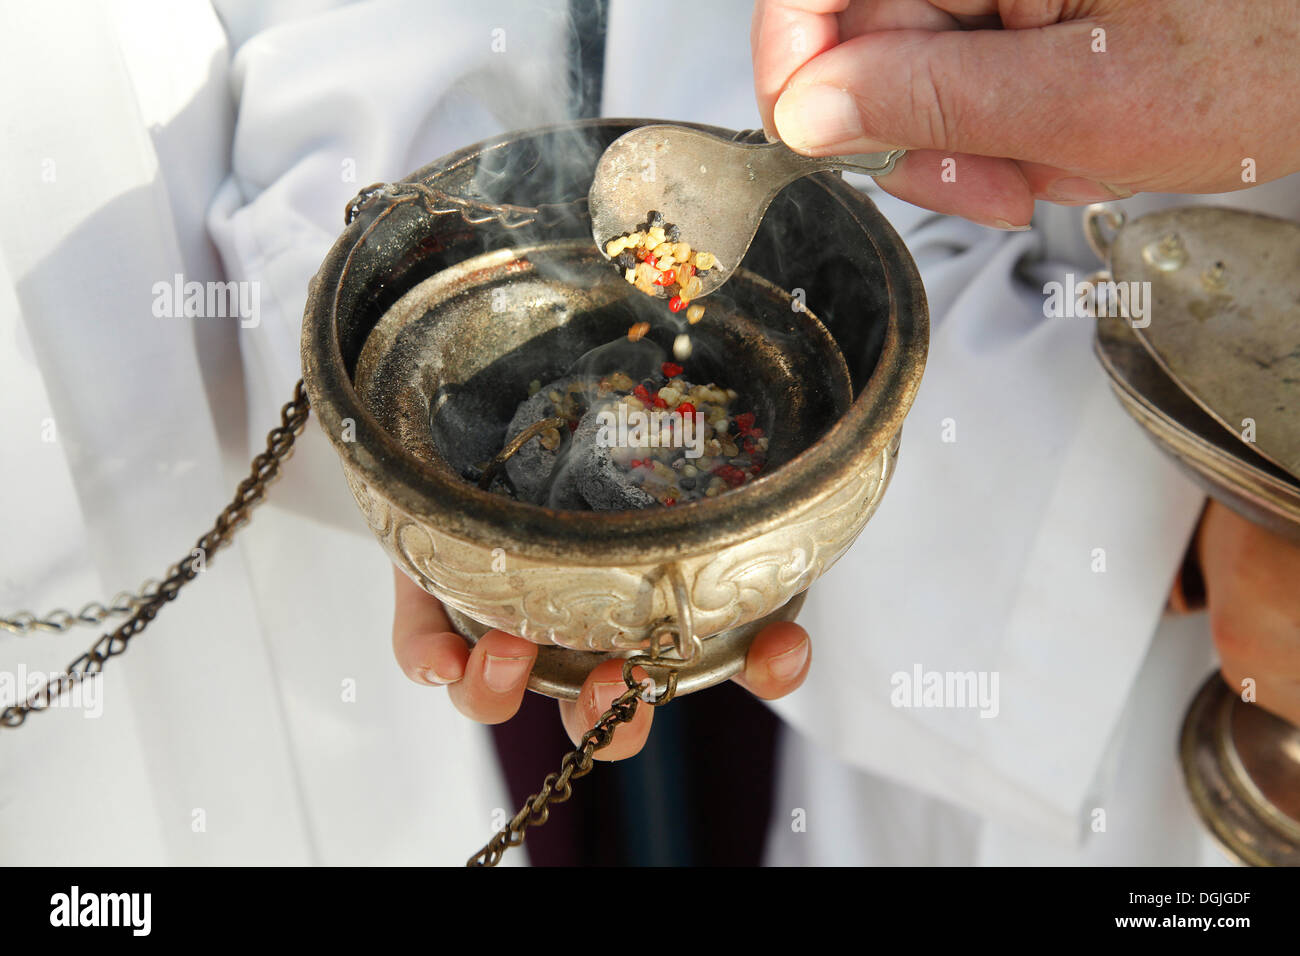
(1098, 239)
(558, 786)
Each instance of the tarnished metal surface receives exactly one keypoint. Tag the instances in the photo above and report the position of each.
(590, 605)
(1242, 767)
(1221, 350)
(560, 672)
(466, 342)
(1225, 315)
(1222, 464)
(604, 580)
(715, 189)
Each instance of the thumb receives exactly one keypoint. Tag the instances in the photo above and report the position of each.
(987, 92)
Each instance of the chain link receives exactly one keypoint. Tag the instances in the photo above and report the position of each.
(96, 612)
(144, 607)
(474, 212)
(153, 595)
(558, 787)
(265, 469)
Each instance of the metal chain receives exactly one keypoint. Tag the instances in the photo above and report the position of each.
(476, 212)
(265, 469)
(438, 203)
(144, 607)
(96, 612)
(558, 787)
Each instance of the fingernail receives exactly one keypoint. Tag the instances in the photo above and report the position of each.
(505, 673)
(1077, 189)
(817, 116)
(604, 693)
(1007, 227)
(787, 665)
(431, 676)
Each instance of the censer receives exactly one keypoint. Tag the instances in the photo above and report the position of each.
(1212, 374)
(451, 291)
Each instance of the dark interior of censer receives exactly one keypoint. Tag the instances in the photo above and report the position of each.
(504, 355)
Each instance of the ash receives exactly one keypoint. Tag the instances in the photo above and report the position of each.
(633, 444)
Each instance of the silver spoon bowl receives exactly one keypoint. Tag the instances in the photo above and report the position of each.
(714, 190)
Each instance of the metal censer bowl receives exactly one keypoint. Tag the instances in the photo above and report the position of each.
(1218, 349)
(447, 293)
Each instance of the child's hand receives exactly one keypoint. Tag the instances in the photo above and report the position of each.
(487, 683)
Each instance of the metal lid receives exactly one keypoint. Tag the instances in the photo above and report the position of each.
(1227, 468)
(1219, 344)
(1224, 316)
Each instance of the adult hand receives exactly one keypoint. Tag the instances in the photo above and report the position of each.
(1252, 590)
(487, 683)
(1066, 100)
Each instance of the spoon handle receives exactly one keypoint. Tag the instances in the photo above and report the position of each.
(872, 164)
(784, 165)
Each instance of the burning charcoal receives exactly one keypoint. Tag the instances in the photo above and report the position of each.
(530, 467)
(564, 492)
(604, 483)
(467, 430)
(675, 442)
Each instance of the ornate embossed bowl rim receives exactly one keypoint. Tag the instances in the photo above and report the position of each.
(432, 492)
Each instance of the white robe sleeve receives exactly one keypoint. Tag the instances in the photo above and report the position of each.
(189, 728)
(261, 718)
